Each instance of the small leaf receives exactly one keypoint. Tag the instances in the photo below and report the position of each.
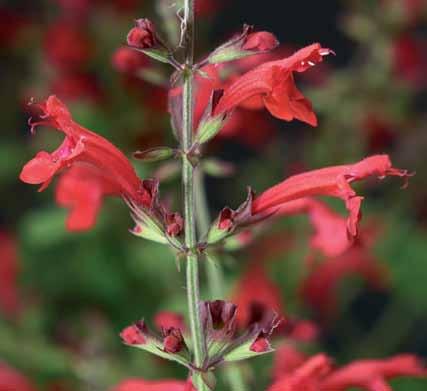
(209, 128)
(155, 154)
(158, 54)
(211, 124)
(228, 54)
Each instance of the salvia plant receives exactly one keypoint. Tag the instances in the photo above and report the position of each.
(204, 95)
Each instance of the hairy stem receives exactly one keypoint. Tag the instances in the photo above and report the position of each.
(192, 271)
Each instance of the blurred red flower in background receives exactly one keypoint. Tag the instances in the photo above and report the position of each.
(320, 287)
(146, 385)
(317, 374)
(11, 24)
(12, 380)
(372, 375)
(410, 60)
(77, 86)
(10, 303)
(67, 46)
(255, 290)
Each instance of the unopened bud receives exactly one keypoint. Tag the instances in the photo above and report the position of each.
(143, 35)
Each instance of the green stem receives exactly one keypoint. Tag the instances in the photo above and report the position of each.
(192, 272)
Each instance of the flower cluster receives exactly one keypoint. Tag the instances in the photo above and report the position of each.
(232, 86)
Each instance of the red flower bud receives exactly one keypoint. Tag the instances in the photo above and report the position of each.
(142, 36)
(173, 341)
(226, 219)
(134, 334)
(174, 224)
(260, 345)
(262, 41)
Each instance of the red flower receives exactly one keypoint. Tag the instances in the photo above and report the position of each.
(146, 385)
(273, 82)
(286, 359)
(331, 181)
(67, 46)
(372, 375)
(105, 169)
(12, 380)
(9, 269)
(316, 374)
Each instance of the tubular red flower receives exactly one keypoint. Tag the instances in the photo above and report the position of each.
(307, 377)
(286, 359)
(274, 83)
(372, 375)
(146, 385)
(329, 181)
(81, 147)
